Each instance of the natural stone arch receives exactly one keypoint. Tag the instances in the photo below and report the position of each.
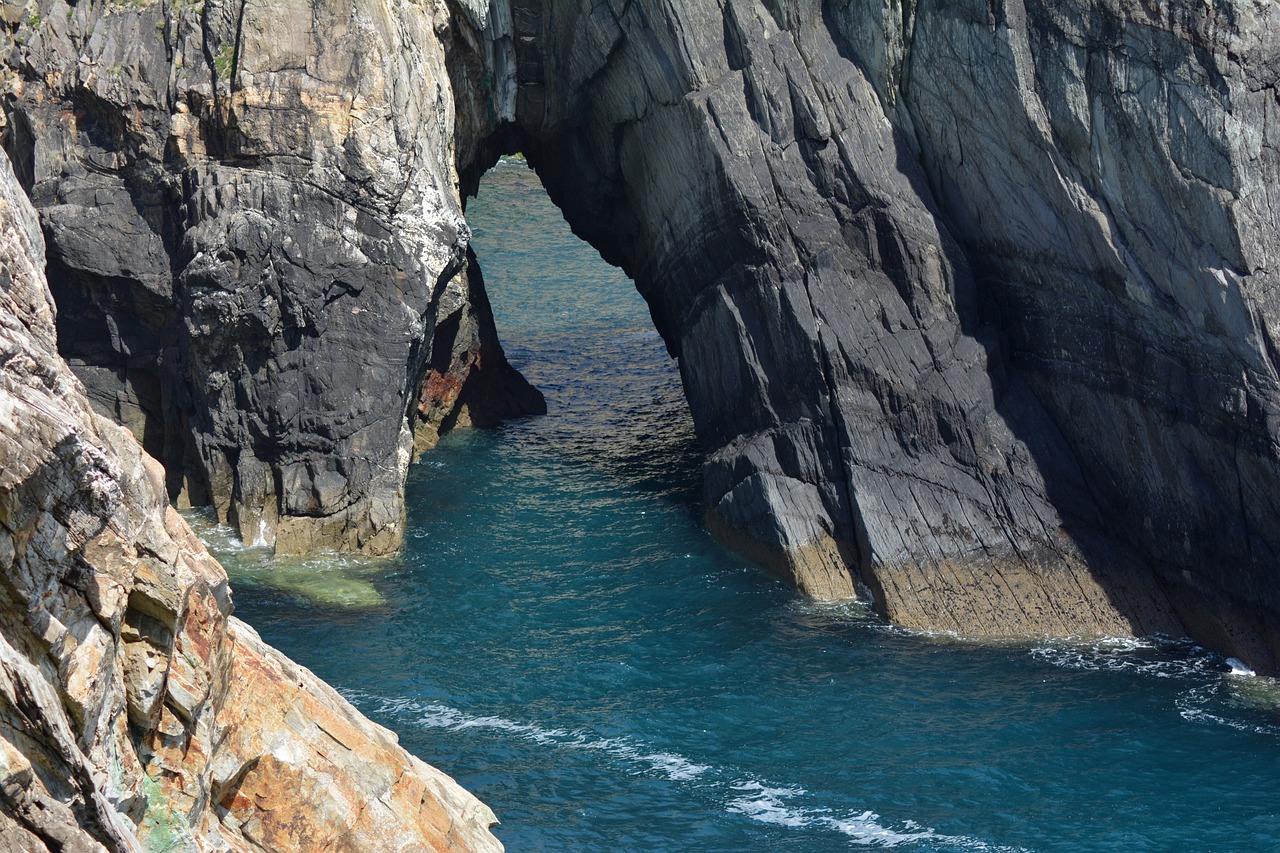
(868, 346)
(959, 315)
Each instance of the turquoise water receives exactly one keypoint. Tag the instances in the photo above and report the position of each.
(562, 636)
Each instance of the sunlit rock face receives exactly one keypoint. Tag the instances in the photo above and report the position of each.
(135, 712)
(254, 234)
(974, 303)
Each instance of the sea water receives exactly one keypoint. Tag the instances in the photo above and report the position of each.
(562, 636)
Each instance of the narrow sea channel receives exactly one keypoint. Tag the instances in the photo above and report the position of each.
(563, 637)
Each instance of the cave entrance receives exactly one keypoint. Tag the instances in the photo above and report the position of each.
(578, 330)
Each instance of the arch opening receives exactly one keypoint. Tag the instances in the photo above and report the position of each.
(577, 329)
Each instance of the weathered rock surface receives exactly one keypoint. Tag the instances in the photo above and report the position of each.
(974, 301)
(254, 232)
(135, 712)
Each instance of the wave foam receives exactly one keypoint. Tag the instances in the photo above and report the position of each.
(1239, 668)
(669, 765)
(741, 794)
(1152, 657)
(1220, 691)
(769, 804)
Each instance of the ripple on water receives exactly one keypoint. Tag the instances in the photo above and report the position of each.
(326, 578)
(561, 635)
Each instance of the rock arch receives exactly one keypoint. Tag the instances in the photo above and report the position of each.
(958, 316)
(974, 301)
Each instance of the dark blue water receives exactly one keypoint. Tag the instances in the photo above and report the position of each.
(562, 636)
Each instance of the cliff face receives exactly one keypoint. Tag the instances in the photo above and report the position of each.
(135, 712)
(254, 235)
(1122, 228)
(974, 302)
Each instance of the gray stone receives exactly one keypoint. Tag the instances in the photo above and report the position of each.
(974, 302)
(252, 217)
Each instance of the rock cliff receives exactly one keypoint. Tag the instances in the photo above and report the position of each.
(974, 302)
(135, 712)
(257, 242)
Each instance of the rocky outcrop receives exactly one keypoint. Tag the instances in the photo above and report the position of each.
(974, 302)
(469, 381)
(135, 712)
(254, 233)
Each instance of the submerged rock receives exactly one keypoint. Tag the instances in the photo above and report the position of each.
(135, 712)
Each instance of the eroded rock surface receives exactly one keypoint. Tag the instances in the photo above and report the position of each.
(135, 712)
(974, 302)
(254, 232)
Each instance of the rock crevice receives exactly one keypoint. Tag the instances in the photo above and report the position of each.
(135, 712)
(974, 302)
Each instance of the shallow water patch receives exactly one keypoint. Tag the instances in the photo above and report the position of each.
(327, 578)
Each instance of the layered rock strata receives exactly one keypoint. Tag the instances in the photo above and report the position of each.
(974, 302)
(254, 233)
(135, 712)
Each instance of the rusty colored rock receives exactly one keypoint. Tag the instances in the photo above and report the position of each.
(135, 713)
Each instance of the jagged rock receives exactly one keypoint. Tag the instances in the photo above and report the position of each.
(135, 712)
(254, 228)
(974, 302)
(469, 381)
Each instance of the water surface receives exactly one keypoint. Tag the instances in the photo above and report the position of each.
(562, 636)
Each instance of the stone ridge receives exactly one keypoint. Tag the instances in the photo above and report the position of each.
(254, 232)
(974, 302)
(135, 712)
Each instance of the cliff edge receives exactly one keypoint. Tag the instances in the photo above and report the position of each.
(135, 712)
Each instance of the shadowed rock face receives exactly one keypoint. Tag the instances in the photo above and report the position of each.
(254, 232)
(1122, 227)
(974, 303)
(135, 712)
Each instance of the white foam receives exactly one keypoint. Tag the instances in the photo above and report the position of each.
(1125, 654)
(1238, 667)
(260, 541)
(1195, 705)
(1212, 696)
(755, 799)
(674, 767)
(769, 804)
(764, 803)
